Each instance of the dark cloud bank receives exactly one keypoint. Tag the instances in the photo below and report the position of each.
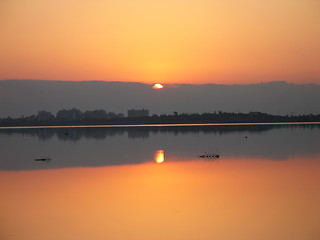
(26, 97)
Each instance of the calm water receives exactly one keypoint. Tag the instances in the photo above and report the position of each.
(150, 183)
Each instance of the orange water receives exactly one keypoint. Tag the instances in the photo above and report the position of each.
(227, 199)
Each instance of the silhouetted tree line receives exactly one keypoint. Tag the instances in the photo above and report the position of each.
(70, 116)
(101, 117)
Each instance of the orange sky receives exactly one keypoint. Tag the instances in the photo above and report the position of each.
(168, 41)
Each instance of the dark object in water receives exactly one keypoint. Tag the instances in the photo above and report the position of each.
(209, 156)
(46, 159)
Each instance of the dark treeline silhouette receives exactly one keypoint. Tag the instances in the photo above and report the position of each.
(63, 117)
(101, 117)
(223, 117)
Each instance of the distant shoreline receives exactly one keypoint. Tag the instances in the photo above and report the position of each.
(75, 117)
(159, 125)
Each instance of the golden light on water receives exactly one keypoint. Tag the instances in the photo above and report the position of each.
(284, 193)
(159, 156)
(157, 86)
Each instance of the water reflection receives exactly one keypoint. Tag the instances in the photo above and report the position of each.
(76, 134)
(235, 196)
(85, 147)
(190, 200)
(159, 156)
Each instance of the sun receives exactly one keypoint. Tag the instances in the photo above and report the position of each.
(157, 86)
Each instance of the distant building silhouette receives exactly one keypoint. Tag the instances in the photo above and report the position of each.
(95, 115)
(45, 116)
(70, 115)
(111, 115)
(138, 113)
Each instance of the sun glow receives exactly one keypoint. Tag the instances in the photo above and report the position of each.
(157, 86)
(203, 42)
(159, 156)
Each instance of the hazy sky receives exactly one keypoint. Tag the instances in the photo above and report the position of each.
(168, 41)
(28, 97)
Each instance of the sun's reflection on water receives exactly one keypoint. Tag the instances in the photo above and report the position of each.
(199, 200)
(159, 156)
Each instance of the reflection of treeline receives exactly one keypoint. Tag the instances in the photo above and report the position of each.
(101, 117)
(67, 134)
(100, 133)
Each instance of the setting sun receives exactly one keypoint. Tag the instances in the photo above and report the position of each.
(225, 42)
(157, 86)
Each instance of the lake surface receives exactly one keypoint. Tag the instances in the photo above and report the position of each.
(151, 183)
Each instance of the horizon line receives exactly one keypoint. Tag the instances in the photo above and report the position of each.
(168, 84)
